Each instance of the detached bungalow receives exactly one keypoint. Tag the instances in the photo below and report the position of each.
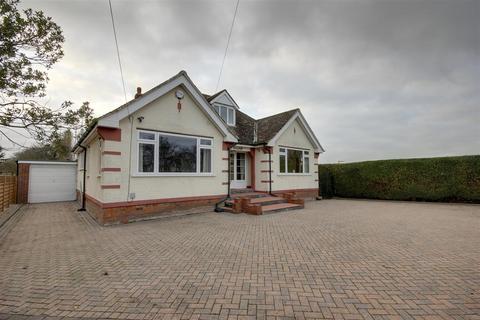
(174, 148)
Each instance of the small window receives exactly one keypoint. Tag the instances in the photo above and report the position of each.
(205, 142)
(230, 116)
(306, 164)
(146, 157)
(205, 160)
(146, 135)
(282, 163)
(226, 113)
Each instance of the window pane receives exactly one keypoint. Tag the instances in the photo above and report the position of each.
(145, 157)
(282, 163)
(205, 160)
(223, 113)
(294, 161)
(307, 164)
(230, 116)
(305, 152)
(217, 108)
(147, 135)
(240, 166)
(205, 142)
(177, 154)
(282, 149)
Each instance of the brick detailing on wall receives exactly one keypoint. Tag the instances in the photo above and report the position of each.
(225, 159)
(22, 185)
(112, 153)
(252, 168)
(124, 212)
(110, 186)
(266, 161)
(266, 181)
(226, 145)
(112, 134)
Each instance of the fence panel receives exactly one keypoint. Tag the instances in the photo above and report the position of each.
(8, 190)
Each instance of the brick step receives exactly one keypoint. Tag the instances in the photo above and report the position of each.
(237, 191)
(264, 201)
(249, 195)
(280, 207)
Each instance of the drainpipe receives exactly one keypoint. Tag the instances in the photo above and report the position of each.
(84, 177)
(228, 191)
(270, 171)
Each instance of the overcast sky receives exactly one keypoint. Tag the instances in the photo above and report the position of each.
(375, 79)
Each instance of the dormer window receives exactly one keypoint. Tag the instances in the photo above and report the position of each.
(227, 113)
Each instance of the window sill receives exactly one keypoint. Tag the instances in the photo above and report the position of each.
(178, 174)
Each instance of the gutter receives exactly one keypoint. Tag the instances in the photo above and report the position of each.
(84, 177)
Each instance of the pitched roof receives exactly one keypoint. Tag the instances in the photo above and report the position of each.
(247, 129)
(244, 128)
(268, 127)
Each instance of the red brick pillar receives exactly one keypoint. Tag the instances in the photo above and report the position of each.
(22, 184)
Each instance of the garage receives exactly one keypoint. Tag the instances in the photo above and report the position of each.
(46, 181)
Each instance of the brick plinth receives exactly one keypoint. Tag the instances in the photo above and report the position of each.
(124, 212)
(309, 194)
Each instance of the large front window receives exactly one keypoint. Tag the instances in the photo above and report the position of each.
(294, 161)
(169, 154)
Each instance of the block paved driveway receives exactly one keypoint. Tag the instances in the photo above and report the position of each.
(341, 259)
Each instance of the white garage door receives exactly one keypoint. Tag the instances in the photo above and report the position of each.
(51, 182)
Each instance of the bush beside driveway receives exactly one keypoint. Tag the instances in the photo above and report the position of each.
(342, 259)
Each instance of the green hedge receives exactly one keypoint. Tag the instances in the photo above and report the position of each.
(452, 179)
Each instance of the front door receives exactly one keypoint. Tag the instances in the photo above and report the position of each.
(238, 170)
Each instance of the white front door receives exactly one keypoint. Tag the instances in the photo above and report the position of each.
(238, 170)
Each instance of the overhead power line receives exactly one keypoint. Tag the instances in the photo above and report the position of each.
(118, 51)
(228, 42)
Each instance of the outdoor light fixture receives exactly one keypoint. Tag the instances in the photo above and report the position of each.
(179, 94)
(140, 119)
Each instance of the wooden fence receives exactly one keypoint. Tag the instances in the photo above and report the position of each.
(8, 191)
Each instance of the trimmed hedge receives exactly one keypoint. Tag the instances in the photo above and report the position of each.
(449, 179)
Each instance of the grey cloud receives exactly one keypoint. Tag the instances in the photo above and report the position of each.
(376, 79)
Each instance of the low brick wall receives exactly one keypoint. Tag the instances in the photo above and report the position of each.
(307, 194)
(125, 212)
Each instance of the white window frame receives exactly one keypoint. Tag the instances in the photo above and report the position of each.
(156, 172)
(305, 155)
(228, 108)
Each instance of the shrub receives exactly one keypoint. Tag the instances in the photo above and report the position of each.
(455, 179)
